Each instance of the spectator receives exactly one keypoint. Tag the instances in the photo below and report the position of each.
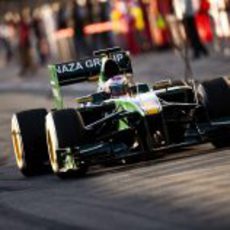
(41, 41)
(119, 27)
(62, 17)
(203, 22)
(191, 30)
(90, 14)
(25, 52)
(5, 43)
(146, 21)
(93, 17)
(106, 37)
(78, 25)
(132, 43)
(141, 35)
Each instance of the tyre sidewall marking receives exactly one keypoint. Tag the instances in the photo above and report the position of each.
(17, 142)
(51, 137)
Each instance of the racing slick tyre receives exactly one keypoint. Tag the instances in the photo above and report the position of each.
(220, 138)
(29, 142)
(215, 96)
(65, 130)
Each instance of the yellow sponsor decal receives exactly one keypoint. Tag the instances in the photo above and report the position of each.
(150, 108)
(152, 111)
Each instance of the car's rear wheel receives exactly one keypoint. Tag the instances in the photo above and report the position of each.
(29, 142)
(215, 96)
(221, 139)
(65, 130)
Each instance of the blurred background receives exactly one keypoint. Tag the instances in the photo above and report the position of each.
(35, 32)
(185, 194)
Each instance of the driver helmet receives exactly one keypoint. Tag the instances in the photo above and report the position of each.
(117, 86)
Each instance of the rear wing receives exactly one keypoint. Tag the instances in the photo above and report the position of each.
(87, 69)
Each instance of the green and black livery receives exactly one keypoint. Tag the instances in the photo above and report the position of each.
(102, 129)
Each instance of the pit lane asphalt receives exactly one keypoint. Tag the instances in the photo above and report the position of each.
(186, 190)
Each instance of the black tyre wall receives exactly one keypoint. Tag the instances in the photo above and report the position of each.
(32, 126)
(70, 128)
(216, 98)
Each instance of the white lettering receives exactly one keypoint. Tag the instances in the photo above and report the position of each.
(97, 62)
(89, 64)
(71, 67)
(59, 70)
(65, 69)
(118, 57)
(79, 66)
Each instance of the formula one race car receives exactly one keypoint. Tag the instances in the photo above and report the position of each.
(122, 120)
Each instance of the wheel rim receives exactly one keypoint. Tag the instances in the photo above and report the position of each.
(17, 143)
(52, 153)
(51, 143)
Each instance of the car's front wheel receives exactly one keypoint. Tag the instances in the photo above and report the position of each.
(65, 132)
(29, 141)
